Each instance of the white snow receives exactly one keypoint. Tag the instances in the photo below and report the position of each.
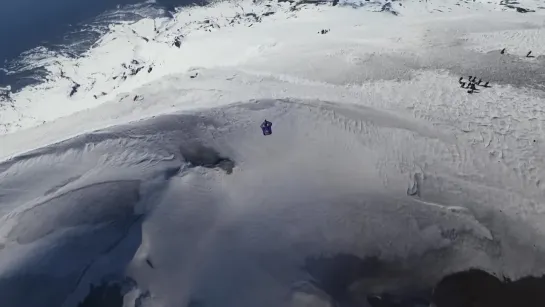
(375, 151)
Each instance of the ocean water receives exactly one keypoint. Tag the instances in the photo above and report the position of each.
(31, 30)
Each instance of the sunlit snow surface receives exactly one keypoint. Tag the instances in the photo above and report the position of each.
(166, 183)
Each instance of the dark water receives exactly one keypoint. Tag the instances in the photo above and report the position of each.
(68, 27)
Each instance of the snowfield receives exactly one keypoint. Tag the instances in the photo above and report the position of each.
(153, 173)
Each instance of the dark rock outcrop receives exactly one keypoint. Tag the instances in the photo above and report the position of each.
(479, 288)
(74, 90)
(178, 41)
(199, 155)
(104, 295)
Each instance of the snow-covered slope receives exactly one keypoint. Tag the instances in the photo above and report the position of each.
(237, 34)
(159, 175)
(331, 179)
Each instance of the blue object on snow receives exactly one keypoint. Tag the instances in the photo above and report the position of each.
(266, 126)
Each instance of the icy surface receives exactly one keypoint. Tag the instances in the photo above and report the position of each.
(161, 178)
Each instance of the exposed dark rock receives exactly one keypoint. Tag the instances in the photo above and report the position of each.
(387, 7)
(5, 95)
(254, 16)
(74, 89)
(199, 155)
(135, 71)
(135, 62)
(178, 42)
(510, 4)
(100, 95)
(523, 10)
(150, 69)
(478, 288)
(338, 275)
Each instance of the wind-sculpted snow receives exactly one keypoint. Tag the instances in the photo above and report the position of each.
(150, 206)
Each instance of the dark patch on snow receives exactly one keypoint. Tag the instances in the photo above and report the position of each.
(200, 155)
(338, 275)
(523, 10)
(253, 16)
(387, 7)
(100, 95)
(150, 69)
(135, 71)
(478, 288)
(149, 263)
(104, 295)
(5, 95)
(512, 5)
(74, 89)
